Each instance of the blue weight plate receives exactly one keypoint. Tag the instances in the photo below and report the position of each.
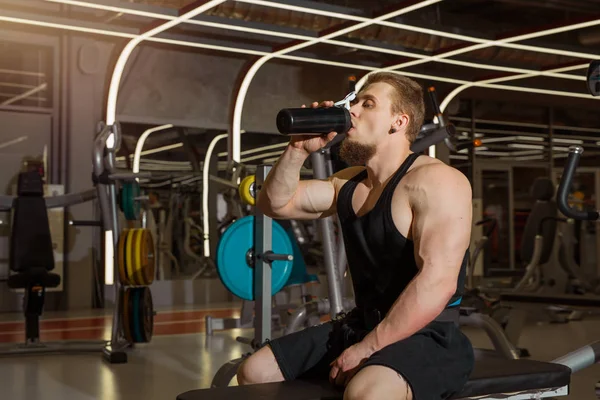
(131, 207)
(137, 318)
(234, 271)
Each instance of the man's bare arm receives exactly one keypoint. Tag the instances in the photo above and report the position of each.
(285, 196)
(441, 231)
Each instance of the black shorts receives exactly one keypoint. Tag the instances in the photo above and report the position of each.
(436, 361)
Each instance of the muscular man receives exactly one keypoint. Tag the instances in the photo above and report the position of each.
(406, 221)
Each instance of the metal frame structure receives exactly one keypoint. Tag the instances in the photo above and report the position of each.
(508, 41)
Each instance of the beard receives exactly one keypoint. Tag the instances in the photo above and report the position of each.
(356, 154)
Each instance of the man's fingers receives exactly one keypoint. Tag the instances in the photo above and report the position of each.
(333, 374)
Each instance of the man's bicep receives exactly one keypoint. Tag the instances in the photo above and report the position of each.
(317, 198)
(314, 198)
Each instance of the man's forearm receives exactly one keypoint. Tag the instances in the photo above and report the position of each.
(420, 303)
(281, 183)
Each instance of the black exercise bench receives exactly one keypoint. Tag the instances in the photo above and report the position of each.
(576, 301)
(31, 253)
(493, 377)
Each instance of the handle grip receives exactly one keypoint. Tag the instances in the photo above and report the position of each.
(269, 256)
(565, 184)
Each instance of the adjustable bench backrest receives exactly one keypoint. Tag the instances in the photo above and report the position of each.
(30, 241)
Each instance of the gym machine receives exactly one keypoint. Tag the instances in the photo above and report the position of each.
(133, 254)
(493, 376)
(32, 260)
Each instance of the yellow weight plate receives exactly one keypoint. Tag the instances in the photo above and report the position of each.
(148, 261)
(150, 270)
(129, 256)
(121, 257)
(247, 190)
(138, 249)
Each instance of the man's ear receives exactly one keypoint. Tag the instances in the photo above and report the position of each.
(401, 122)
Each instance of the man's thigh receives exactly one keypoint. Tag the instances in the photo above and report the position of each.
(436, 362)
(305, 354)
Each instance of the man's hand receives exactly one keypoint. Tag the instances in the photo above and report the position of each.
(346, 365)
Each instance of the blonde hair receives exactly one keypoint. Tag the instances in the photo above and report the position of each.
(407, 98)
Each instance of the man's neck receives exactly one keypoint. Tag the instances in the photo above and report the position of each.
(385, 164)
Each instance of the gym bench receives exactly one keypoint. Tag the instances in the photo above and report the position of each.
(493, 377)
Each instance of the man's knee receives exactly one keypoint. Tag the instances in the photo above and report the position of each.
(260, 367)
(378, 382)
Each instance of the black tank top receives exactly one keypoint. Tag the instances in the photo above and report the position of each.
(381, 260)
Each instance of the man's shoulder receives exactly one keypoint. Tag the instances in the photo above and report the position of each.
(432, 175)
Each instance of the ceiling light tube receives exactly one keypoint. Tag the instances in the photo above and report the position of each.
(500, 139)
(529, 158)
(332, 42)
(493, 153)
(26, 73)
(257, 149)
(490, 84)
(260, 156)
(525, 146)
(493, 43)
(301, 59)
(567, 141)
(22, 96)
(499, 43)
(531, 138)
(525, 152)
(205, 188)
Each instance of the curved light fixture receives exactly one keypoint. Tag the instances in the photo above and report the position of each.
(140, 145)
(486, 82)
(111, 106)
(205, 177)
(243, 91)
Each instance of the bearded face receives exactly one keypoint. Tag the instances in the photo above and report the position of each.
(356, 154)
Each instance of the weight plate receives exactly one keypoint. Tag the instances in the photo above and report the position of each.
(137, 317)
(125, 322)
(129, 257)
(148, 259)
(136, 250)
(121, 257)
(233, 256)
(247, 190)
(146, 312)
(149, 315)
(131, 310)
(131, 207)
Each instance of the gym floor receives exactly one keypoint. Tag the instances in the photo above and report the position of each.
(181, 357)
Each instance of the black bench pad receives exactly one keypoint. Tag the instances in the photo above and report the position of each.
(492, 374)
(563, 300)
